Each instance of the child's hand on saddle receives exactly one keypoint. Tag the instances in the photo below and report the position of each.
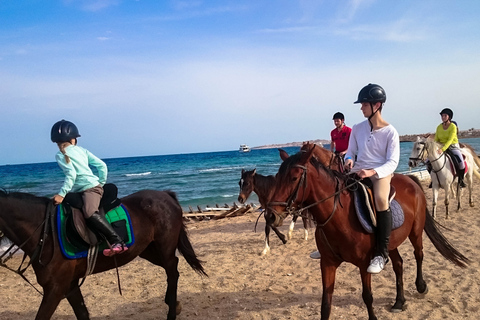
(57, 199)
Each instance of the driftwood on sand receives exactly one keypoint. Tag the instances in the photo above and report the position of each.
(218, 212)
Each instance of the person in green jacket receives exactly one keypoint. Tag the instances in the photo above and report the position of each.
(75, 163)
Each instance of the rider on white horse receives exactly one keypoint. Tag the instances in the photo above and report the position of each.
(446, 134)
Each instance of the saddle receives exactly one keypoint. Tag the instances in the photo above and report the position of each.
(364, 202)
(455, 161)
(75, 220)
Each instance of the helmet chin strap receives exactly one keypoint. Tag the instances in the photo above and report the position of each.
(371, 116)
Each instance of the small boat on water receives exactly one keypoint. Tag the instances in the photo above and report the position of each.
(244, 148)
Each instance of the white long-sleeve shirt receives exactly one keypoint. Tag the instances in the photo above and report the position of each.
(377, 149)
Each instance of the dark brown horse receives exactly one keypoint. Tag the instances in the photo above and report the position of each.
(159, 230)
(264, 186)
(304, 181)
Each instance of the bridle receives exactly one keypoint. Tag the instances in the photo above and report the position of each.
(422, 155)
(48, 227)
(290, 209)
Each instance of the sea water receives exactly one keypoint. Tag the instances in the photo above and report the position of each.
(198, 179)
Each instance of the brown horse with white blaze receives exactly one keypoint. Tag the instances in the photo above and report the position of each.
(159, 230)
(303, 181)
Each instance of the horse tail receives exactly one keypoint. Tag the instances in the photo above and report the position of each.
(441, 243)
(184, 245)
(474, 154)
(186, 249)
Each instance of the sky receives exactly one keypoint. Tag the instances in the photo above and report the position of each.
(143, 78)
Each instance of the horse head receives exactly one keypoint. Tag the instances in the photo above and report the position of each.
(247, 184)
(419, 152)
(324, 156)
(290, 187)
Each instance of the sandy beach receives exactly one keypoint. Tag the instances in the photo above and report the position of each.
(286, 284)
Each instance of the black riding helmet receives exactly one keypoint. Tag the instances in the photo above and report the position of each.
(372, 93)
(64, 131)
(338, 115)
(448, 112)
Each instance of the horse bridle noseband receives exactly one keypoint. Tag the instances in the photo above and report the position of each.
(293, 197)
(422, 154)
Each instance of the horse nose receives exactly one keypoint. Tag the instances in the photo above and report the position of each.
(241, 199)
(411, 164)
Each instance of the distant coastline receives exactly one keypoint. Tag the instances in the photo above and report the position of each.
(462, 134)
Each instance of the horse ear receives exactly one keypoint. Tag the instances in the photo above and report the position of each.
(254, 171)
(307, 155)
(243, 171)
(283, 154)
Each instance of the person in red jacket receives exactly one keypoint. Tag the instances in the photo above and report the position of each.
(339, 135)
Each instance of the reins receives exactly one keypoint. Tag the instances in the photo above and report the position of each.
(421, 156)
(37, 253)
(298, 212)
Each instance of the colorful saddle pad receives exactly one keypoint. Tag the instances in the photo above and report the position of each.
(73, 247)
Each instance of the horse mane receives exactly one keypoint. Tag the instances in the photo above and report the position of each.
(292, 160)
(23, 196)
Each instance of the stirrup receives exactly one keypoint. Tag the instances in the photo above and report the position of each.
(117, 248)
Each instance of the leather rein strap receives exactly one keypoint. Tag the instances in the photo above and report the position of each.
(37, 253)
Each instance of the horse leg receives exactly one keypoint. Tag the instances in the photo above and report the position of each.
(267, 240)
(165, 258)
(459, 196)
(447, 201)
(305, 228)
(53, 293)
(329, 269)
(279, 235)
(367, 291)
(397, 263)
(434, 200)
(172, 284)
(416, 241)
(75, 298)
(290, 228)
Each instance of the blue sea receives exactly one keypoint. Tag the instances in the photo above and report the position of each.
(199, 179)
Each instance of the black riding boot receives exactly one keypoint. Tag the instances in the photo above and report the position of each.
(382, 237)
(384, 228)
(461, 175)
(99, 224)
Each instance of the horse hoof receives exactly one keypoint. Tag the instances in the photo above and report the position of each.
(396, 310)
(264, 252)
(472, 205)
(178, 308)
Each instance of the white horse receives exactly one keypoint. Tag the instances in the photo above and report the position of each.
(441, 174)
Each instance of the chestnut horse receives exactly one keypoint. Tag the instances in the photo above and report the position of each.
(304, 181)
(263, 186)
(159, 230)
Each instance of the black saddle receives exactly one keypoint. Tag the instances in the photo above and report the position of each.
(79, 234)
(108, 202)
